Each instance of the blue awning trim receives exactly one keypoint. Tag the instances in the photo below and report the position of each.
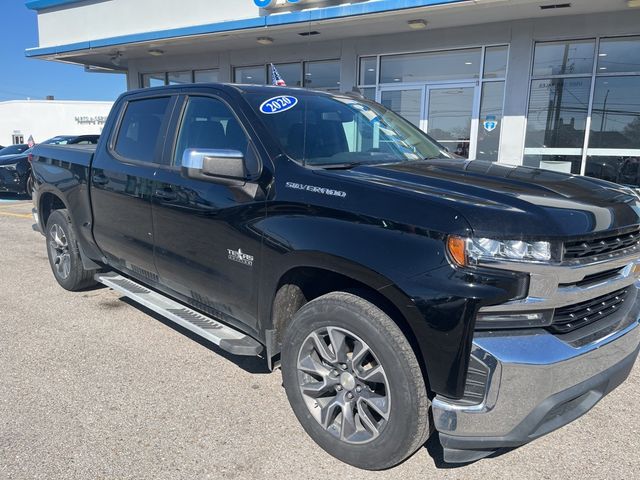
(290, 18)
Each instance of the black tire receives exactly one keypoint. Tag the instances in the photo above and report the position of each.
(28, 188)
(402, 387)
(64, 255)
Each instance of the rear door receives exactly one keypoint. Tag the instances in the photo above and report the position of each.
(122, 182)
(206, 248)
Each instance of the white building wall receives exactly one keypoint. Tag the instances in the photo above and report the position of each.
(47, 118)
(97, 20)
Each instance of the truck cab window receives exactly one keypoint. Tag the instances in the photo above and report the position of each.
(140, 128)
(209, 124)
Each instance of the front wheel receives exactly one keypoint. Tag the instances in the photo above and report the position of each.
(354, 382)
(29, 185)
(64, 254)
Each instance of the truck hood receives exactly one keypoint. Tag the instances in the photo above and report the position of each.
(506, 201)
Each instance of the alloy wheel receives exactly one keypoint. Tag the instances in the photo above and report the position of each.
(59, 248)
(344, 385)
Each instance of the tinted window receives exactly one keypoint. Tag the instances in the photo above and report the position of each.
(140, 127)
(13, 149)
(209, 124)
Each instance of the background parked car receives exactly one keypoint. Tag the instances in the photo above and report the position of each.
(13, 150)
(15, 166)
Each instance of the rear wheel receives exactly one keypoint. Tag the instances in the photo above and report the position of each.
(64, 254)
(354, 382)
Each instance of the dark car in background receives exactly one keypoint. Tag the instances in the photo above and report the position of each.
(12, 150)
(15, 165)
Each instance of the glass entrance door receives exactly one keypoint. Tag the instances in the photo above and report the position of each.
(447, 112)
(451, 117)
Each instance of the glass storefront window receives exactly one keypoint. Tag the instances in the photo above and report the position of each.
(557, 163)
(430, 67)
(153, 80)
(615, 118)
(324, 75)
(250, 75)
(490, 121)
(177, 78)
(619, 55)
(495, 62)
(291, 73)
(564, 58)
(368, 70)
(405, 103)
(558, 113)
(206, 76)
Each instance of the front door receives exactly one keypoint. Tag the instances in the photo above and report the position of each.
(205, 246)
(451, 117)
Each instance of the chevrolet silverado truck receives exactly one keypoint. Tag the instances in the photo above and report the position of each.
(402, 291)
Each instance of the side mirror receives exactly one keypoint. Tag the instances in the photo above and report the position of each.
(211, 164)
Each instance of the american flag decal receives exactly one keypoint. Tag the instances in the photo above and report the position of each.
(276, 79)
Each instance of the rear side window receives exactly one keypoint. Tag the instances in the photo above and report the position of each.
(140, 128)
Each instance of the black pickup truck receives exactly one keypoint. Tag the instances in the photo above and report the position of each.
(401, 290)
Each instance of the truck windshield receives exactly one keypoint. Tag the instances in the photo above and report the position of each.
(333, 131)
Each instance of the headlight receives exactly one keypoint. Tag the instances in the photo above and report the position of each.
(471, 251)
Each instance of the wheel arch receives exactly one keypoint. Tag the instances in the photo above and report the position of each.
(301, 283)
(47, 203)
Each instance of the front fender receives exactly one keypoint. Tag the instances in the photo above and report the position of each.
(409, 267)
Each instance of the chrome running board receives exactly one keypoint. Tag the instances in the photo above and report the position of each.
(224, 336)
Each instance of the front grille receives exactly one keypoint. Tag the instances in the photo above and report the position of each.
(572, 317)
(609, 242)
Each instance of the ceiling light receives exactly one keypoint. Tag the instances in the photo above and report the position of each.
(265, 40)
(417, 24)
(156, 52)
(555, 6)
(603, 68)
(396, 79)
(468, 63)
(371, 69)
(603, 54)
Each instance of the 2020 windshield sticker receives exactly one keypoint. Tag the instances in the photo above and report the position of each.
(240, 257)
(314, 189)
(278, 104)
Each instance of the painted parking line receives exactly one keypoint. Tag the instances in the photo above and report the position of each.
(14, 205)
(4, 213)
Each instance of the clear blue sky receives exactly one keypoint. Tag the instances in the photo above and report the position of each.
(22, 77)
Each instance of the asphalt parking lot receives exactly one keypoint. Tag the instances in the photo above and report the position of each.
(94, 387)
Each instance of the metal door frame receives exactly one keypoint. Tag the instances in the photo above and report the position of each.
(426, 89)
(475, 110)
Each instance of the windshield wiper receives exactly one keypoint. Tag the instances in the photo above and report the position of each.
(349, 165)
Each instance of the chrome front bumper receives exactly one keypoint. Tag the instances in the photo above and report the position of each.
(537, 381)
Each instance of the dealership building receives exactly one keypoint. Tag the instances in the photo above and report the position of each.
(546, 83)
(44, 119)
